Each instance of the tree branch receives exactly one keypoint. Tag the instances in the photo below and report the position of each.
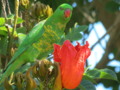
(8, 7)
(3, 8)
(15, 23)
(113, 32)
(87, 16)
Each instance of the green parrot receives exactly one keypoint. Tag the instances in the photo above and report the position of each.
(39, 42)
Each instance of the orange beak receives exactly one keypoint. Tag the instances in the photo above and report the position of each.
(67, 13)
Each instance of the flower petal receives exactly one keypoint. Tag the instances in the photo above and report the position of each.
(83, 54)
(56, 53)
(78, 46)
(67, 52)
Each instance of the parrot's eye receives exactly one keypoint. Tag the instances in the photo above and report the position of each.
(67, 13)
(61, 8)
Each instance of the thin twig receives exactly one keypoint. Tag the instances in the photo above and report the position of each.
(8, 7)
(98, 37)
(8, 29)
(5, 16)
(11, 78)
(15, 23)
(110, 30)
(8, 48)
(0, 62)
(9, 11)
(3, 8)
(87, 16)
(16, 15)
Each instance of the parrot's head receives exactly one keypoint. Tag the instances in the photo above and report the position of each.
(64, 12)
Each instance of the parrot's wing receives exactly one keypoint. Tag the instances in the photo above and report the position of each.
(32, 37)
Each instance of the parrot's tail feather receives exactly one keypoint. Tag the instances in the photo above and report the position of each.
(15, 65)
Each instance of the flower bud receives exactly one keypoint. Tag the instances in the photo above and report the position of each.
(30, 83)
(58, 83)
(45, 71)
(19, 79)
(41, 10)
(72, 60)
(24, 3)
(7, 85)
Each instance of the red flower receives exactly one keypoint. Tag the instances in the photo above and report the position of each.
(72, 60)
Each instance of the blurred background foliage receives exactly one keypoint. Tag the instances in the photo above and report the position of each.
(86, 12)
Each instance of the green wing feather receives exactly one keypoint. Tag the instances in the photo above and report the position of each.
(32, 37)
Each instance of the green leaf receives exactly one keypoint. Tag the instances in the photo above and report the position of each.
(102, 74)
(2, 21)
(24, 68)
(82, 87)
(89, 78)
(21, 37)
(3, 45)
(10, 16)
(108, 74)
(87, 85)
(20, 20)
(21, 30)
(82, 28)
(2, 87)
(3, 31)
(74, 33)
(95, 73)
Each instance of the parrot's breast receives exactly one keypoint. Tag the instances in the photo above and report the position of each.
(45, 43)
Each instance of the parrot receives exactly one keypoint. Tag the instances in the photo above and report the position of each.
(38, 43)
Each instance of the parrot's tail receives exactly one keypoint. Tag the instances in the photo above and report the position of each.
(15, 65)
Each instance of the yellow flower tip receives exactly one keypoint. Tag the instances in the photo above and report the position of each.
(58, 83)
